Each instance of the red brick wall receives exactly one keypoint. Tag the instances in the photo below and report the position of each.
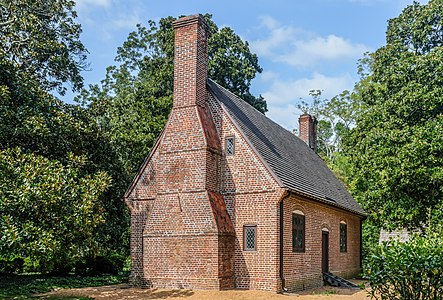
(139, 213)
(192, 201)
(308, 130)
(251, 195)
(190, 61)
(303, 270)
(187, 236)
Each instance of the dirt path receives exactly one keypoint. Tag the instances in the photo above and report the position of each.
(123, 291)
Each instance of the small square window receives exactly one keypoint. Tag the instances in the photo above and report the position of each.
(230, 146)
(250, 238)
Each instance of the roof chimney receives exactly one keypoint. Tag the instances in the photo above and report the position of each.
(190, 61)
(308, 130)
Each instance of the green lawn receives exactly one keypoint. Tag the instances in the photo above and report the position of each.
(26, 286)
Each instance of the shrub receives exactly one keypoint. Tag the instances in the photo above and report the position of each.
(92, 266)
(13, 265)
(407, 270)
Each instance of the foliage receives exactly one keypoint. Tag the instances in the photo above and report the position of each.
(335, 118)
(41, 39)
(370, 236)
(407, 270)
(46, 129)
(133, 101)
(396, 149)
(24, 286)
(90, 266)
(232, 65)
(36, 122)
(49, 211)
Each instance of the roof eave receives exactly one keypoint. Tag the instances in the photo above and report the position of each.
(324, 201)
(143, 166)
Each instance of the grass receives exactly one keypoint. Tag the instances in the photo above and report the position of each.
(26, 286)
(328, 292)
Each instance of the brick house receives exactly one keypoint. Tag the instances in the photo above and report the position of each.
(229, 199)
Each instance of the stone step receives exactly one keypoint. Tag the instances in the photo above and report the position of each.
(337, 281)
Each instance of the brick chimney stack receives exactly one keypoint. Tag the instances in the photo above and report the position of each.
(190, 61)
(308, 130)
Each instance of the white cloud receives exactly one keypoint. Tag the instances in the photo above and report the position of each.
(278, 36)
(269, 22)
(283, 96)
(82, 4)
(267, 76)
(112, 25)
(287, 92)
(125, 21)
(300, 48)
(286, 116)
(308, 52)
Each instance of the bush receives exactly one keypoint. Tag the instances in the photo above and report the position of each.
(100, 265)
(9, 266)
(407, 270)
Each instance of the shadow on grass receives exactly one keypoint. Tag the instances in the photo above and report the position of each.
(59, 298)
(162, 294)
(26, 286)
(119, 292)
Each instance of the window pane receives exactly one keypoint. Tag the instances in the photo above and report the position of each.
(230, 146)
(343, 237)
(298, 233)
(250, 237)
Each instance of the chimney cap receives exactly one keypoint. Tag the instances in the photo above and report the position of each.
(188, 20)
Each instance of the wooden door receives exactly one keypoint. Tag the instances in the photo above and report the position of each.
(325, 252)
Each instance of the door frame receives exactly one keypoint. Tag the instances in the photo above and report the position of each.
(325, 251)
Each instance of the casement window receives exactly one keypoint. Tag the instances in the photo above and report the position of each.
(250, 237)
(230, 146)
(343, 236)
(298, 232)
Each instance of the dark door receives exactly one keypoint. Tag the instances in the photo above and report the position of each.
(325, 252)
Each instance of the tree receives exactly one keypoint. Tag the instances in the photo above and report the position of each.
(40, 39)
(232, 65)
(134, 100)
(50, 211)
(335, 118)
(410, 269)
(396, 149)
(40, 51)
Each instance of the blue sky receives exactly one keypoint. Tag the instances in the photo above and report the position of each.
(301, 45)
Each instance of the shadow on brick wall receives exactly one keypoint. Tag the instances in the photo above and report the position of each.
(241, 275)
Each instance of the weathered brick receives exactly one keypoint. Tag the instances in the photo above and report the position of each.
(190, 201)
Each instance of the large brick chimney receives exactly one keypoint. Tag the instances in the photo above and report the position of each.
(308, 130)
(190, 61)
(188, 239)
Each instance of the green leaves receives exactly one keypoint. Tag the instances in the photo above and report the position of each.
(41, 40)
(49, 211)
(56, 159)
(232, 65)
(133, 102)
(396, 149)
(407, 270)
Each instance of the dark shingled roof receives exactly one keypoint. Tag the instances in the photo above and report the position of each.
(298, 168)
